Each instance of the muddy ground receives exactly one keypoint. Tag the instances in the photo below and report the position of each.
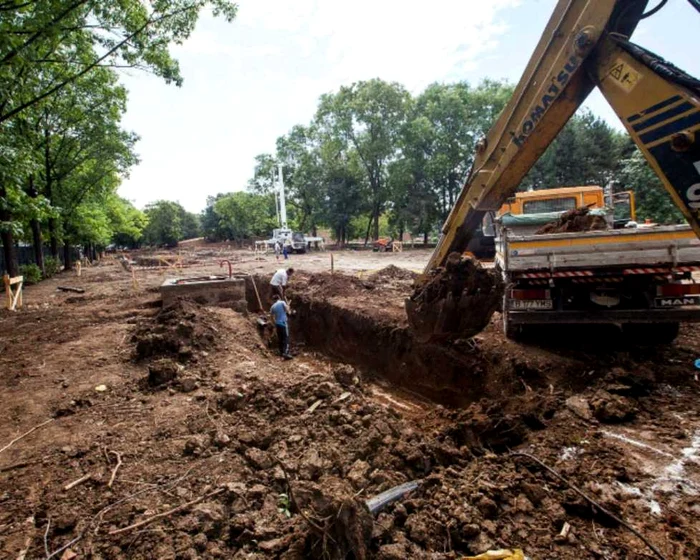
(225, 451)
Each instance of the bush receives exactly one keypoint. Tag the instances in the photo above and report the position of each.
(51, 267)
(31, 273)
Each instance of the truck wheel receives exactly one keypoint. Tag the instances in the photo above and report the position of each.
(651, 333)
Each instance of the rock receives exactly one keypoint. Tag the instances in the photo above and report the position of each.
(231, 402)
(346, 375)
(211, 517)
(200, 542)
(221, 439)
(258, 458)
(311, 465)
(196, 445)
(487, 507)
(396, 551)
(612, 408)
(161, 372)
(101, 388)
(187, 384)
(580, 407)
(534, 492)
(358, 474)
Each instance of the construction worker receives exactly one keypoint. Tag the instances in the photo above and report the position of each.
(278, 250)
(287, 248)
(279, 282)
(279, 313)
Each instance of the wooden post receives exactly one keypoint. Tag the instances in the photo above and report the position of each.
(13, 298)
(134, 282)
(332, 264)
(78, 268)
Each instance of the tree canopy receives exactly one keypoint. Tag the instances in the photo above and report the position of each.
(63, 151)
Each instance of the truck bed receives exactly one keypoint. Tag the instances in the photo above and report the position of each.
(666, 246)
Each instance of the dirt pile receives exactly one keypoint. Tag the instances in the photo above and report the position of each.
(457, 301)
(392, 273)
(578, 219)
(180, 330)
(325, 285)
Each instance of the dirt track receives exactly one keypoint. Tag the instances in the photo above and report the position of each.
(235, 427)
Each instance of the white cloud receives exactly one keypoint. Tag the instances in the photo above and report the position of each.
(250, 82)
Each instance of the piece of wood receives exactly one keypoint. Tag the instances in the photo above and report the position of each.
(116, 468)
(14, 297)
(25, 434)
(165, 513)
(79, 481)
(313, 407)
(70, 289)
(257, 294)
(332, 264)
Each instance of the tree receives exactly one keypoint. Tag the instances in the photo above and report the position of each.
(164, 223)
(243, 215)
(368, 116)
(652, 200)
(586, 152)
(49, 44)
(127, 222)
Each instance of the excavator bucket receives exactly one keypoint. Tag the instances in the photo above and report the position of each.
(455, 301)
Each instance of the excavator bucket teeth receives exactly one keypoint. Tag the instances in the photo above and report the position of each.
(457, 301)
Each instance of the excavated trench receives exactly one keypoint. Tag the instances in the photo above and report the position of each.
(453, 375)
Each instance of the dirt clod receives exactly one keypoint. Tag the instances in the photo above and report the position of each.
(457, 301)
(342, 523)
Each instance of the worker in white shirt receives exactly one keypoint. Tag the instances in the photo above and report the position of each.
(279, 281)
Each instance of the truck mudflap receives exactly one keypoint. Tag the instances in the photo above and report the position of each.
(688, 314)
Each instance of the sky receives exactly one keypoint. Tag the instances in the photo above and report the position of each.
(248, 82)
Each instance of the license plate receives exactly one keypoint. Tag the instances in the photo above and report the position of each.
(531, 304)
(676, 301)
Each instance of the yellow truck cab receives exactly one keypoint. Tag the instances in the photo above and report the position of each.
(554, 200)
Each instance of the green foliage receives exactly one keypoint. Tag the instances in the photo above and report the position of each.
(239, 215)
(31, 273)
(586, 152)
(164, 223)
(127, 222)
(652, 200)
(52, 267)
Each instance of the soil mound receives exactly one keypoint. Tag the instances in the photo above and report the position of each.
(179, 331)
(325, 285)
(457, 301)
(391, 272)
(579, 219)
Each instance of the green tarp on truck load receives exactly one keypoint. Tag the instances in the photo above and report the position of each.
(515, 220)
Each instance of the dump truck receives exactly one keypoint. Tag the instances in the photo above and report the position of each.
(639, 278)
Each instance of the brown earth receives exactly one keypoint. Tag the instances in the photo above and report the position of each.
(273, 459)
(578, 219)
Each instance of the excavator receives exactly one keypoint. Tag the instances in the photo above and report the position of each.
(586, 44)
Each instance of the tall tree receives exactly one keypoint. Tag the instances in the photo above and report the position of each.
(369, 116)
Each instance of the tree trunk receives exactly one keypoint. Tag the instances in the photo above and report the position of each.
(401, 232)
(425, 238)
(67, 257)
(53, 238)
(375, 233)
(36, 230)
(8, 241)
(369, 226)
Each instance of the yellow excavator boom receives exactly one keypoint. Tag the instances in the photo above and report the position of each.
(554, 85)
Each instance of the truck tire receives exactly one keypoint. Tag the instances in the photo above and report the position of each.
(651, 333)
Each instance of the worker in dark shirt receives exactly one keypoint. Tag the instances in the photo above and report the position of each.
(279, 312)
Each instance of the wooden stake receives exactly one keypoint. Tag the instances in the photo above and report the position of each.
(257, 294)
(332, 264)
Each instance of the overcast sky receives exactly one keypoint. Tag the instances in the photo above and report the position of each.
(248, 82)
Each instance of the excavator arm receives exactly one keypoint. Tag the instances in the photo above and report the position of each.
(553, 86)
(584, 45)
